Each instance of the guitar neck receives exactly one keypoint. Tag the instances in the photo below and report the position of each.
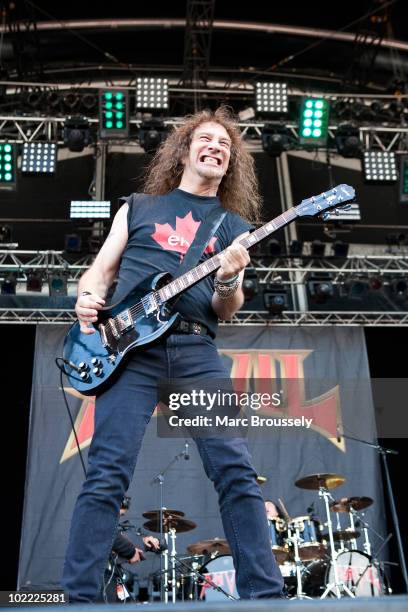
(209, 266)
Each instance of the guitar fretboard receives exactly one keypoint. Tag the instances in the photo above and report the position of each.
(204, 269)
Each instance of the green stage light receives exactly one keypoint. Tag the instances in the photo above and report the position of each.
(113, 114)
(314, 121)
(7, 166)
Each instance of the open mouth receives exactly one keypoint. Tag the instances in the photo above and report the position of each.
(211, 161)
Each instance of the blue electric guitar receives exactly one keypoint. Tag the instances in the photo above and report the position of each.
(146, 314)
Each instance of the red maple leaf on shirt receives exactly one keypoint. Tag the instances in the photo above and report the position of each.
(180, 238)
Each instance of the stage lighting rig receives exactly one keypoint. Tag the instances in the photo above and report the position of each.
(77, 133)
(275, 298)
(9, 283)
(403, 185)
(277, 138)
(250, 284)
(380, 167)
(113, 113)
(271, 98)
(314, 122)
(39, 158)
(7, 166)
(320, 288)
(347, 140)
(90, 209)
(152, 93)
(58, 284)
(152, 134)
(34, 281)
(317, 248)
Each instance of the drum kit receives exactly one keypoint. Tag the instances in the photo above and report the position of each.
(314, 562)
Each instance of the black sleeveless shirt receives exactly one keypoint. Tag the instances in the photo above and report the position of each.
(160, 231)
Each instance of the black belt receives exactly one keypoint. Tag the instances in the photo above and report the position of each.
(192, 327)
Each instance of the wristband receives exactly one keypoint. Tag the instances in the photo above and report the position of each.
(229, 281)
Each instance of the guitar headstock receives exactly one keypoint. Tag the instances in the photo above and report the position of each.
(339, 197)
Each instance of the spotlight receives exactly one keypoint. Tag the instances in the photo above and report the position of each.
(76, 133)
(89, 101)
(275, 299)
(71, 100)
(317, 248)
(34, 281)
(271, 98)
(376, 283)
(320, 288)
(8, 284)
(152, 93)
(53, 99)
(296, 248)
(73, 243)
(113, 113)
(276, 138)
(314, 121)
(250, 284)
(35, 98)
(347, 140)
(380, 167)
(358, 289)
(7, 166)
(400, 288)
(90, 209)
(403, 181)
(6, 234)
(274, 247)
(340, 249)
(152, 134)
(39, 158)
(57, 284)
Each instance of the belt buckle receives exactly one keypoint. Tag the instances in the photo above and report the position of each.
(196, 328)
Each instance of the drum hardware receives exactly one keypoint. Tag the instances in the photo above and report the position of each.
(294, 540)
(159, 525)
(279, 541)
(322, 483)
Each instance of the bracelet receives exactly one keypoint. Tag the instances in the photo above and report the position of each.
(228, 282)
(223, 291)
(86, 293)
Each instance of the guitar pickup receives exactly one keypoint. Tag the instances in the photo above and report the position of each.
(149, 303)
(125, 321)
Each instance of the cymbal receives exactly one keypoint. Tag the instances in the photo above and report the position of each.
(316, 481)
(261, 480)
(177, 523)
(155, 514)
(344, 534)
(344, 504)
(207, 547)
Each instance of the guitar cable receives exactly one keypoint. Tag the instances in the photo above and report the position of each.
(63, 371)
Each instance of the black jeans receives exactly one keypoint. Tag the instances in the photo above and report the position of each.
(121, 416)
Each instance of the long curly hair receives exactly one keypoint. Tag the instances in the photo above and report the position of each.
(238, 190)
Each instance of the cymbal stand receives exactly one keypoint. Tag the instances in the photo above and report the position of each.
(205, 579)
(295, 539)
(173, 536)
(337, 586)
(353, 542)
(164, 558)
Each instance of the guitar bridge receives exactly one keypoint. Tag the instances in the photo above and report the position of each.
(125, 321)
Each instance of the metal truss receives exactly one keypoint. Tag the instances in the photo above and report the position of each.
(315, 318)
(298, 318)
(33, 129)
(354, 266)
(22, 262)
(197, 42)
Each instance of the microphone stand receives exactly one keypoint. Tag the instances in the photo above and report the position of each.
(159, 478)
(384, 452)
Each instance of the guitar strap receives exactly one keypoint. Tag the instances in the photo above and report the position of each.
(203, 236)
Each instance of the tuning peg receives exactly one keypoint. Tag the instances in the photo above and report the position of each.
(346, 207)
(324, 216)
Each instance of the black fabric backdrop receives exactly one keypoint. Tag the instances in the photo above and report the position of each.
(331, 356)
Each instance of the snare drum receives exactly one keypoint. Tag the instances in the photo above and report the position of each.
(278, 534)
(308, 531)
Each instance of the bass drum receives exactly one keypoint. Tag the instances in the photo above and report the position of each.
(355, 569)
(221, 571)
